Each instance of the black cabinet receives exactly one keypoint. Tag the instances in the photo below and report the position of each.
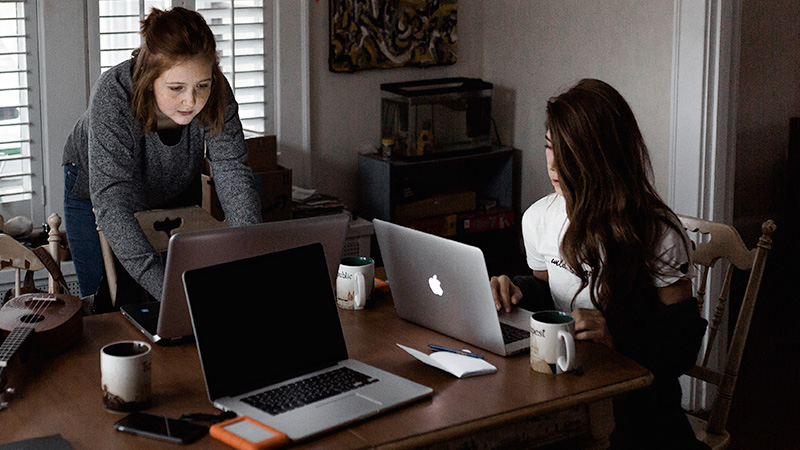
(468, 197)
(384, 184)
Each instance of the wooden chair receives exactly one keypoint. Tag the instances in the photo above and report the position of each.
(714, 242)
(158, 226)
(14, 254)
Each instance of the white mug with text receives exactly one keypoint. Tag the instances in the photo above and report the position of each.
(355, 281)
(552, 342)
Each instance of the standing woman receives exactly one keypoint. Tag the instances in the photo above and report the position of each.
(141, 143)
(616, 257)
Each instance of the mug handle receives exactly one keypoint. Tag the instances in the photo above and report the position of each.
(567, 363)
(360, 297)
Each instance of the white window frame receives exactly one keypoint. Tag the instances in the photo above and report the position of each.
(31, 207)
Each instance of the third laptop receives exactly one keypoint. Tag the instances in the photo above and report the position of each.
(443, 285)
(168, 320)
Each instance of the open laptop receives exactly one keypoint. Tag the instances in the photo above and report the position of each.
(443, 285)
(262, 342)
(168, 320)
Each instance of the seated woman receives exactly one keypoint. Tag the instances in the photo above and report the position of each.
(615, 256)
(140, 145)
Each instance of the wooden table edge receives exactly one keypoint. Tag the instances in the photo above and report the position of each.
(460, 430)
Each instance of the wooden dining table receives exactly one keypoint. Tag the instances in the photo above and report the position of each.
(59, 397)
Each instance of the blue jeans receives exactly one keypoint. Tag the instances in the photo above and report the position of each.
(84, 241)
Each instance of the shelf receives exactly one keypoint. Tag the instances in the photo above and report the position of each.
(384, 184)
(440, 187)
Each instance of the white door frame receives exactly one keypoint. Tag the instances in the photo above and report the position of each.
(292, 87)
(703, 127)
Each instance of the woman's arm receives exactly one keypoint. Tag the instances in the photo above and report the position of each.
(233, 178)
(507, 293)
(677, 292)
(115, 181)
(667, 340)
(591, 325)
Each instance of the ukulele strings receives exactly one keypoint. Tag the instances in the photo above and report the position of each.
(40, 304)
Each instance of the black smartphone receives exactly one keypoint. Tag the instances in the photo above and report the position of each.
(160, 427)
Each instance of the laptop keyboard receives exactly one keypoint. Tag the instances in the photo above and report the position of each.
(309, 390)
(513, 334)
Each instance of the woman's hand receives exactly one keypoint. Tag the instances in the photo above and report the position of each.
(591, 325)
(505, 293)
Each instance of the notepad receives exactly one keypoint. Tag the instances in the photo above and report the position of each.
(459, 365)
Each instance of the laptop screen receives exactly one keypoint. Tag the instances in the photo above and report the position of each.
(265, 319)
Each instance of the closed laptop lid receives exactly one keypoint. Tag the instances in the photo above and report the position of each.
(264, 319)
(440, 284)
(204, 248)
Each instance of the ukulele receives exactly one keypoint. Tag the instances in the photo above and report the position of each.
(53, 322)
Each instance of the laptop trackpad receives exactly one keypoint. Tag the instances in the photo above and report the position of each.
(351, 406)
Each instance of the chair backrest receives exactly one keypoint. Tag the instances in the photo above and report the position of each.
(158, 226)
(14, 254)
(715, 242)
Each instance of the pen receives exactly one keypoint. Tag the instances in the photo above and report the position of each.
(454, 350)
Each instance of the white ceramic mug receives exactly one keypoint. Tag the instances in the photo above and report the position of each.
(125, 375)
(354, 282)
(552, 342)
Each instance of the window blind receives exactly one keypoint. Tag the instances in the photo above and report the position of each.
(15, 107)
(238, 26)
(119, 28)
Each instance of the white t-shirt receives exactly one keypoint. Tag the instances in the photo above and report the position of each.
(543, 226)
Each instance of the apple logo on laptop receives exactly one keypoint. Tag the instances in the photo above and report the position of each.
(436, 285)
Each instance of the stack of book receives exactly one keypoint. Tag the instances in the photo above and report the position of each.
(454, 213)
(309, 203)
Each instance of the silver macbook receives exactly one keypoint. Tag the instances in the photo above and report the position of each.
(274, 349)
(443, 285)
(168, 320)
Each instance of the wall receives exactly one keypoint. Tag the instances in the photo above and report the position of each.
(530, 51)
(768, 95)
(64, 88)
(534, 50)
(345, 107)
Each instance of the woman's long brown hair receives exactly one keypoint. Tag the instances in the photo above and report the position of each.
(616, 216)
(171, 37)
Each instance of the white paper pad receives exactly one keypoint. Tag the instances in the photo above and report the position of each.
(459, 365)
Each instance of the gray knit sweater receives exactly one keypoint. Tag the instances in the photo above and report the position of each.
(123, 171)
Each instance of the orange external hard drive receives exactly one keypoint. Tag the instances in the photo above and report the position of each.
(245, 433)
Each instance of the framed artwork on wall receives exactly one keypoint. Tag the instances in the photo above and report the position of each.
(384, 34)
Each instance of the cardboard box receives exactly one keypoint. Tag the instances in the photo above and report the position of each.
(272, 182)
(262, 153)
(495, 218)
(439, 225)
(438, 205)
(274, 186)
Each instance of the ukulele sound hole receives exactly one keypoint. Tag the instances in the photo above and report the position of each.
(31, 318)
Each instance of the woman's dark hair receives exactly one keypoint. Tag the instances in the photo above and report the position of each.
(616, 216)
(171, 37)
